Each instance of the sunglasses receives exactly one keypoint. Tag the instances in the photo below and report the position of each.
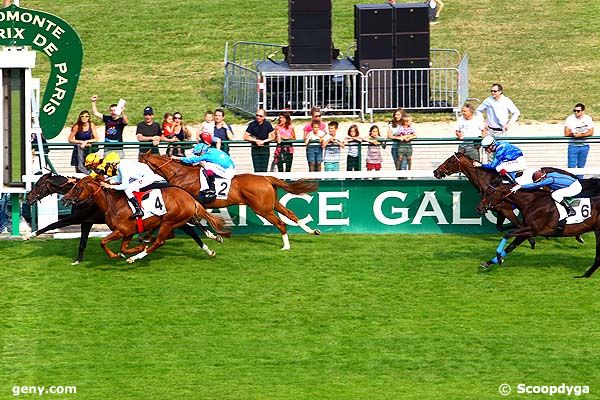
(177, 117)
(317, 115)
(576, 110)
(494, 91)
(84, 116)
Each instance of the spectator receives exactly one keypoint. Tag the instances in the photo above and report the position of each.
(469, 125)
(500, 112)
(83, 134)
(182, 132)
(222, 131)
(284, 133)
(353, 140)
(259, 132)
(208, 125)
(374, 158)
(435, 8)
(578, 126)
(315, 113)
(401, 132)
(314, 151)
(168, 134)
(332, 146)
(149, 131)
(401, 135)
(114, 125)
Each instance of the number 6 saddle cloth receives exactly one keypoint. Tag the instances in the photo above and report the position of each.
(582, 207)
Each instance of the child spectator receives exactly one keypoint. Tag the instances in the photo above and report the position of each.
(168, 132)
(332, 146)
(401, 135)
(314, 151)
(374, 158)
(207, 126)
(353, 141)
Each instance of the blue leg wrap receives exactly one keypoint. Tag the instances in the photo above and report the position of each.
(501, 246)
(494, 260)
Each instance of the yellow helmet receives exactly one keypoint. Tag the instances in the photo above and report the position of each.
(92, 160)
(111, 160)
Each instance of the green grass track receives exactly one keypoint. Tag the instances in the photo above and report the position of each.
(337, 317)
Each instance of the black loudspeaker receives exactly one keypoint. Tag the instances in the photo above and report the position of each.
(310, 5)
(372, 19)
(309, 34)
(375, 47)
(412, 45)
(411, 17)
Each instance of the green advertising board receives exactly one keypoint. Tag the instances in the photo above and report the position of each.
(377, 206)
(48, 34)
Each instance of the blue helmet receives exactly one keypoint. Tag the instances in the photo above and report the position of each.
(200, 148)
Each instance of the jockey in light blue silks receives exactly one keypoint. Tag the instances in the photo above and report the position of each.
(561, 185)
(215, 163)
(508, 158)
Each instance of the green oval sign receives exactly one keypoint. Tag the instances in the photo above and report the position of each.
(54, 37)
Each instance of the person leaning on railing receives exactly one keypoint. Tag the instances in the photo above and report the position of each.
(149, 131)
(469, 125)
(260, 132)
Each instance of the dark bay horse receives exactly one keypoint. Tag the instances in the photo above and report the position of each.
(256, 191)
(181, 208)
(87, 214)
(540, 212)
(481, 178)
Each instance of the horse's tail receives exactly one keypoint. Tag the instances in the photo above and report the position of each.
(297, 187)
(218, 223)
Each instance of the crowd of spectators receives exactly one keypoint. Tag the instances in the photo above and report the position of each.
(324, 145)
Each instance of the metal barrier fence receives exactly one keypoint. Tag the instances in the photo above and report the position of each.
(256, 76)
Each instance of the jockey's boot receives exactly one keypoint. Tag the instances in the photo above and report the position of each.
(138, 213)
(567, 206)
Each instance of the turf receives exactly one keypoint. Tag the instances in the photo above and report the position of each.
(170, 54)
(337, 317)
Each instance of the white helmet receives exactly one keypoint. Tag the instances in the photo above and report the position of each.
(487, 141)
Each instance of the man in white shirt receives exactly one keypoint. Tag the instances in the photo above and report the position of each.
(471, 126)
(578, 126)
(500, 112)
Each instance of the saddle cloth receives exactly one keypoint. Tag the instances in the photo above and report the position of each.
(152, 203)
(582, 209)
(222, 186)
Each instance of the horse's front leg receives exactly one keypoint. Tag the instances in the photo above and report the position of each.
(114, 235)
(125, 247)
(163, 234)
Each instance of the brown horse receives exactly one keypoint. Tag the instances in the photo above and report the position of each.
(181, 207)
(88, 214)
(258, 192)
(540, 212)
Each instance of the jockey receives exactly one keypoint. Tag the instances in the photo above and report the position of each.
(131, 176)
(215, 163)
(562, 186)
(508, 159)
(92, 161)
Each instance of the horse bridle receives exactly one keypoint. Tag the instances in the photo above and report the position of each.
(158, 169)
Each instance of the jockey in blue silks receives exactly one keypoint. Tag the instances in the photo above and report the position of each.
(561, 185)
(508, 159)
(215, 163)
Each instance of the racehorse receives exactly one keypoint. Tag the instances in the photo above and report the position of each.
(540, 212)
(481, 178)
(88, 213)
(258, 192)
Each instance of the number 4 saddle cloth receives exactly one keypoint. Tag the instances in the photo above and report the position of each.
(152, 203)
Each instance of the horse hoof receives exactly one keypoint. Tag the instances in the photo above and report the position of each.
(212, 253)
(285, 248)
(122, 255)
(130, 260)
(219, 239)
(485, 266)
(317, 232)
(579, 239)
(75, 262)
(27, 236)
